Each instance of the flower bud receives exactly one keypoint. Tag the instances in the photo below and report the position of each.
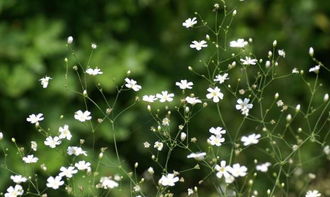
(311, 51)
(326, 97)
(69, 40)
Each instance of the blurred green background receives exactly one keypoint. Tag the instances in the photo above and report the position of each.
(146, 37)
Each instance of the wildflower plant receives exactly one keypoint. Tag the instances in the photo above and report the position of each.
(223, 158)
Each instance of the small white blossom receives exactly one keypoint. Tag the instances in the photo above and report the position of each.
(35, 119)
(197, 156)
(132, 84)
(65, 132)
(221, 78)
(168, 180)
(1, 135)
(108, 183)
(149, 98)
(248, 61)
(82, 116)
(83, 165)
(190, 22)
(165, 96)
(315, 69)
(192, 100)
(34, 145)
(69, 40)
(244, 106)
(281, 53)
(94, 46)
(239, 43)
(18, 179)
(52, 142)
(54, 183)
(223, 170)
(198, 45)
(326, 97)
(215, 94)
(218, 131)
(326, 150)
(158, 145)
(30, 159)
(44, 81)
(238, 171)
(313, 193)
(68, 172)
(14, 191)
(263, 167)
(95, 71)
(215, 140)
(311, 51)
(75, 150)
(295, 71)
(184, 84)
(250, 139)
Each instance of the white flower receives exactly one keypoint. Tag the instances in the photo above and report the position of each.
(54, 183)
(108, 183)
(18, 179)
(184, 84)
(263, 167)
(215, 94)
(149, 98)
(251, 139)
(14, 191)
(281, 53)
(69, 40)
(34, 145)
(83, 165)
(221, 78)
(183, 136)
(30, 159)
(190, 191)
(65, 132)
(223, 170)
(217, 131)
(68, 172)
(197, 156)
(82, 116)
(94, 46)
(326, 150)
(192, 100)
(244, 106)
(315, 69)
(44, 81)
(198, 45)
(158, 145)
(295, 71)
(35, 119)
(190, 22)
(239, 43)
(150, 170)
(215, 140)
(311, 51)
(168, 180)
(95, 71)
(132, 84)
(52, 142)
(248, 61)
(165, 96)
(238, 170)
(75, 150)
(313, 193)
(1, 135)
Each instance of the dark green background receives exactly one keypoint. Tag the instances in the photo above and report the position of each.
(146, 37)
